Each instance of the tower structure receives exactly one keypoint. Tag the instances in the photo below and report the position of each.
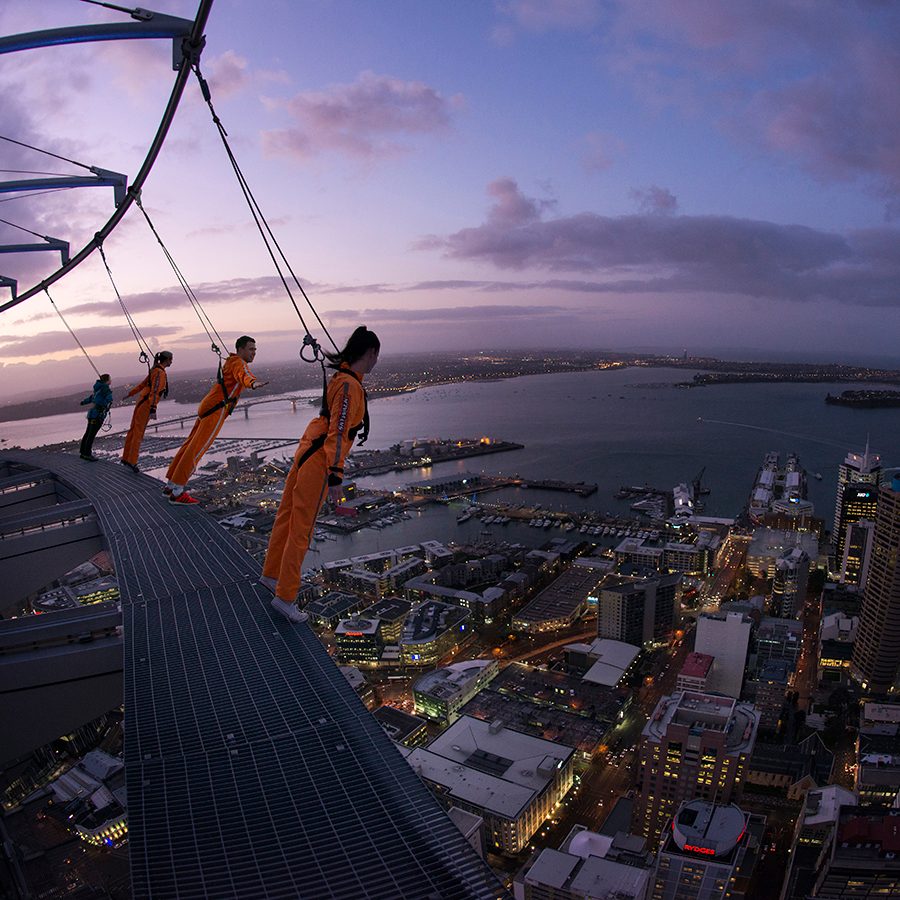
(858, 506)
(789, 583)
(641, 611)
(858, 540)
(708, 852)
(876, 654)
(694, 746)
(857, 468)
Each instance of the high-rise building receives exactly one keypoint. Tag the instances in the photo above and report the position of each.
(876, 654)
(864, 857)
(709, 852)
(857, 468)
(813, 839)
(789, 583)
(857, 503)
(639, 612)
(694, 746)
(779, 639)
(858, 540)
(725, 637)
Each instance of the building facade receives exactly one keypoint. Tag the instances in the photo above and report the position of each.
(709, 852)
(694, 746)
(639, 612)
(725, 637)
(514, 781)
(876, 653)
(789, 583)
(857, 468)
(440, 694)
(858, 504)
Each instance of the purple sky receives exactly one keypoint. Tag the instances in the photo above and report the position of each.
(519, 173)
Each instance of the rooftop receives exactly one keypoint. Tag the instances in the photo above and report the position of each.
(492, 767)
(451, 680)
(704, 713)
(869, 834)
(613, 660)
(710, 828)
(697, 665)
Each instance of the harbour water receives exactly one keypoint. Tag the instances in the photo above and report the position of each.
(615, 428)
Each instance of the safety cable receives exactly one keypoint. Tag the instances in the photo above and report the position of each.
(74, 162)
(264, 229)
(23, 228)
(145, 355)
(106, 425)
(31, 172)
(217, 343)
(74, 336)
(34, 194)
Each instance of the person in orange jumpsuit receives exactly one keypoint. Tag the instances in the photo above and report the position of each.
(318, 469)
(151, 389)
(214, 409)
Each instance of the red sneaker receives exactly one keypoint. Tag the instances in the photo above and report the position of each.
(183, 499)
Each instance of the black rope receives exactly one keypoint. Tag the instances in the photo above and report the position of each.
(145, 355)
(74, 162)
(30, 172)
(139, 14)
(266, 232)
(106, 425)
(69, 329)
(34, 194)
(217, 342)
(23, 228)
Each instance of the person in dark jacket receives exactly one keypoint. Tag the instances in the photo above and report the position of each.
(101, 400)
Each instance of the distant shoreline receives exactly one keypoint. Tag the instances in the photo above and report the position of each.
(433, 370)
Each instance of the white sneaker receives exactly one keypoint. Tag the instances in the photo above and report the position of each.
(289, 610)
(268, 583)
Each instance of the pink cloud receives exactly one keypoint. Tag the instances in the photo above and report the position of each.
(666, 254)
(227, 73)
(601, 151)
(367, 119)
(655, 199)
(94, 338)
(544, 15)
(819, 88)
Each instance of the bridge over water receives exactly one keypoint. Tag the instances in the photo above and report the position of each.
(253, 769)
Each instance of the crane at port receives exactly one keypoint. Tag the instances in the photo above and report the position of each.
(699, 490)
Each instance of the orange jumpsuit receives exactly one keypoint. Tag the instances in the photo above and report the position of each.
(150, 389)
(318, 463)
(214, 409)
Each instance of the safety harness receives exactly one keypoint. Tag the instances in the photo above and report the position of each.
(318, 442)
(228, 402)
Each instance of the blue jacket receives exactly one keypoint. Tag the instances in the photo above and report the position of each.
(102, 399)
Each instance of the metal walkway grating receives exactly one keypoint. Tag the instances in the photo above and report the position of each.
(253, 769)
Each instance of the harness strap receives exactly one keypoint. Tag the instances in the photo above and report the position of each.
(230, 402)
(317, 444)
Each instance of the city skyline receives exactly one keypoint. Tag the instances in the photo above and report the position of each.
(568, 173)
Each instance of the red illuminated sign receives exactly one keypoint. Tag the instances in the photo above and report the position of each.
(707, 851)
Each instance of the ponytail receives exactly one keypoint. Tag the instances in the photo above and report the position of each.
(361, 341)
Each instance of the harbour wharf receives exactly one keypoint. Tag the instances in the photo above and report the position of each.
(582, 488)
